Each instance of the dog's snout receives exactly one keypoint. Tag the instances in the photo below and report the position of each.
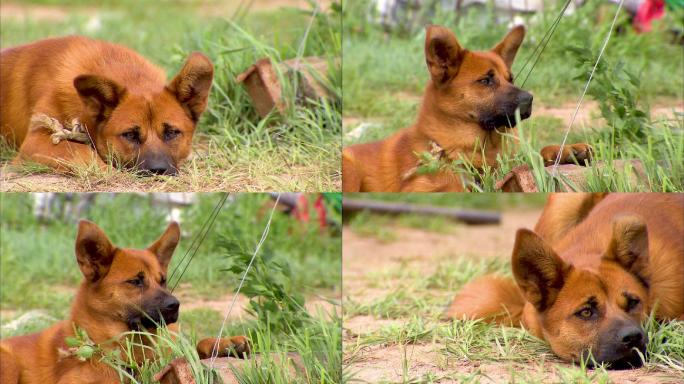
(631, 337)
(525, 104)
(171, 304)
(525, 99)
(157, 164)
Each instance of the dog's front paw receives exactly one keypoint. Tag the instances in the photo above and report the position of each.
(579, 153)
(236, 346)
(240, 346)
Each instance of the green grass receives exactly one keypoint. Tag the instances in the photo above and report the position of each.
(384, 75)
(235, 150)
(297, 261)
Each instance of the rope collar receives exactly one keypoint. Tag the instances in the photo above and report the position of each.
(436, 152)
(71, 131)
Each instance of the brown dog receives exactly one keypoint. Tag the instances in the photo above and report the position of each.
(123, 290)
(468, 104)
(121, 100)
(594, 268)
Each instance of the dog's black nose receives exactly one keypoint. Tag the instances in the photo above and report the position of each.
(524, 101)
(525, 98)
(631, 337)
(157, 164)
(171, 304)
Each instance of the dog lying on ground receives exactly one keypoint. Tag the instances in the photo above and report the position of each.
(468, 105)
(592, 270)
(110, 95)
(123, 290)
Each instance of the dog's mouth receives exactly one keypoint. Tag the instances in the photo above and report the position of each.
(171, 171)
(621, 360)
(504, 120)
(629, 362)
(163, 310)
(151, 320)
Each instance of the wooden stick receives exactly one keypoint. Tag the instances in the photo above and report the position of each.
(466, 216)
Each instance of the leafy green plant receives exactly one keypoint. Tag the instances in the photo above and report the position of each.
(616, 89)
(268, 286)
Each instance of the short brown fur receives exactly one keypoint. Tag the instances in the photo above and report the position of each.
(106, 306)
(594, 268)
(131, 114)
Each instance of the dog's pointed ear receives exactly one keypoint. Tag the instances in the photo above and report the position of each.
(537, 269)
(100, 95)
(192, 84)
(443, 53)
(166, 244)
(508, 47)
(629, 246)
(94, 251)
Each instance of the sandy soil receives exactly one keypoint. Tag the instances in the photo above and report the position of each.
(589, 111)
(56, 13)
(421, 250)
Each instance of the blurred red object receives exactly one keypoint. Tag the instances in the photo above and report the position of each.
(301, 210)
(648, 11)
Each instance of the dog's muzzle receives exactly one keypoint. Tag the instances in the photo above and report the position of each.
(620, 348)
(525, 104)
(503, 114)
(154, 163)
(163, 309)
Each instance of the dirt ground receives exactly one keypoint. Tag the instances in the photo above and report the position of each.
(16, 10)
(422, 251)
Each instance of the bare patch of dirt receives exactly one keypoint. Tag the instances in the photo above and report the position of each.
(265, 5)
(222, 304)
(589, 112)
(8, 314)
(58, 13)
(50, 13)
(422, 251)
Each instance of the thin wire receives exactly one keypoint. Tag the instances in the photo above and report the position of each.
(214, 350)
(547, 36)
(194, 240)
(553, 28)
(210, 222)
(302, 44)
(586, 87)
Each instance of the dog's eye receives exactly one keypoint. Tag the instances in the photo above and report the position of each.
(162, 282)
(136, 282)
(585, 313)
(132, 135)
(632, 302)
(486, 81)
(170, 132)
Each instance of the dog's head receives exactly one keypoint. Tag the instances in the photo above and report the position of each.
(127, 285)
(475, 87)
(584, 310)
(148, 132)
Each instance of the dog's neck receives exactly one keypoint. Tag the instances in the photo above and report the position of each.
(99, 326)
(457, 137)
